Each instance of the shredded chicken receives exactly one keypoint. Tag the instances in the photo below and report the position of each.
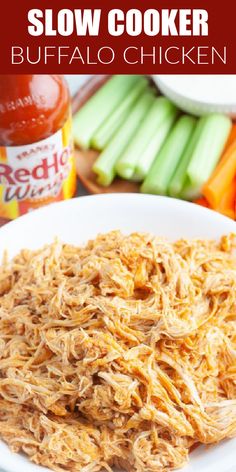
(120, 353)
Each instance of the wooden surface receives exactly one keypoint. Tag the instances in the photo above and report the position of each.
(3, 221)
(84, 163)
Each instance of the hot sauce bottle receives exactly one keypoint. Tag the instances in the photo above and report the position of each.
(36, 154)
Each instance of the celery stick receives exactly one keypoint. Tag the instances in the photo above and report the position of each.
(161, 108)
(147, 158)
(88, 119)
(104, 166)
(107, 129)
(213, 136)
(167, 159)
(177, 182)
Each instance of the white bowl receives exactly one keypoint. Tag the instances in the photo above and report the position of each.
(200, 94)
(77, 220)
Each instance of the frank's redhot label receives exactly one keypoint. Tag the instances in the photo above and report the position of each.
(36, 174)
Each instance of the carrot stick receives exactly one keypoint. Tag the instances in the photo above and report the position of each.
(201, 201)
(231, 138)
(220, 180)
(227, 204)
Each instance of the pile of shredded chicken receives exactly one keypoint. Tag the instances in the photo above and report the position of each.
(120, 353)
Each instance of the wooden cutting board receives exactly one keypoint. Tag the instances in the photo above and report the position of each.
(3, 221)
(84, 163)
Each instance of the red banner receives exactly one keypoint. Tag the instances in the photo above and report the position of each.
(94, 37)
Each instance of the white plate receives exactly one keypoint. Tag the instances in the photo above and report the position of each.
(75, 221)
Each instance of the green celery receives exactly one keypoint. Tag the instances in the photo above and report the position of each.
(147, 158)
(177, 182)
(107, 129)
(96, 110)
(164, 166)
(214, 133)
(104, 166)
(160, 109)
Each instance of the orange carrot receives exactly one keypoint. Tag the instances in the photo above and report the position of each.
(227, 204)
(223, 175)
(231, 138)
(201, 201)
